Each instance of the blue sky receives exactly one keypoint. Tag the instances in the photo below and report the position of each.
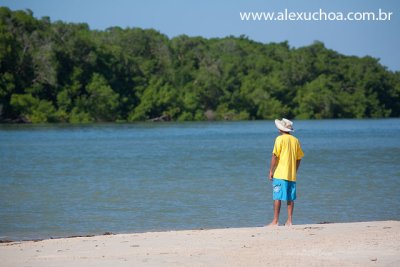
(220, 18)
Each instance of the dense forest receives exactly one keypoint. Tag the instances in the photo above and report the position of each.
(66, 72)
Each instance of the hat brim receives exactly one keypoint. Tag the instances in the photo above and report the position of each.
(279, 125)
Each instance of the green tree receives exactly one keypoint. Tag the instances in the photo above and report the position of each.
(102, 101)
(32, 109)
(66, 72)
(317, 99)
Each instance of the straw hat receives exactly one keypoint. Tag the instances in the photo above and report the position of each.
(284, 125)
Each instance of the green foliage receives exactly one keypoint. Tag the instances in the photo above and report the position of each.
(317, 99)
(64, 72)
(79, 116)
(33, 109)
(102, 101)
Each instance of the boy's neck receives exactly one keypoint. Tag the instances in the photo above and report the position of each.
(282, 132)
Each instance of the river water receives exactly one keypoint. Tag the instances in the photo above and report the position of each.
(63, 180)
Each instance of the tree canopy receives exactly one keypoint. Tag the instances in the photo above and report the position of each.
(66, 72)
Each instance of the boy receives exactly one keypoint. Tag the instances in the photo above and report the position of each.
(285, 162)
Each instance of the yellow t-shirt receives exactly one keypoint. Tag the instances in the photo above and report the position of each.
(288, 150)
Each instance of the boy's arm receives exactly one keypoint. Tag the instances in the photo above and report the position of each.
(274, 161)
(298, 164)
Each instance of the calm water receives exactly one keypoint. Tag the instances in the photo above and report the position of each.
(72, 180)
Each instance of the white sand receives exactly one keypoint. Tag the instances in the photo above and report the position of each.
(349, 244)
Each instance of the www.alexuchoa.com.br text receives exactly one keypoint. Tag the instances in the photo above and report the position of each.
(320, 15)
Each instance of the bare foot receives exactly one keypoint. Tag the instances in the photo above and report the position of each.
(273, 224)
(288, 224)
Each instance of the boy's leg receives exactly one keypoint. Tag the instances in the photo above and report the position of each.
(290, 208)
(277, 209)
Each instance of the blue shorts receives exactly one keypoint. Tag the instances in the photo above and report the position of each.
(283, 190)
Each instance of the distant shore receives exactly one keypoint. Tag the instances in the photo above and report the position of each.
(341, 244)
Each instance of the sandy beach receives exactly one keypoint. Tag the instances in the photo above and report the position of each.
(342, 244)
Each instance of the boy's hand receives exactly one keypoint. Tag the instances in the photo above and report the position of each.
(271, 175)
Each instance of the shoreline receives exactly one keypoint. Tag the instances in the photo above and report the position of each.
(337, 244)
(10, 240)
(5, 241)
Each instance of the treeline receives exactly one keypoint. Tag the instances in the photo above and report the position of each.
(64, 72)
